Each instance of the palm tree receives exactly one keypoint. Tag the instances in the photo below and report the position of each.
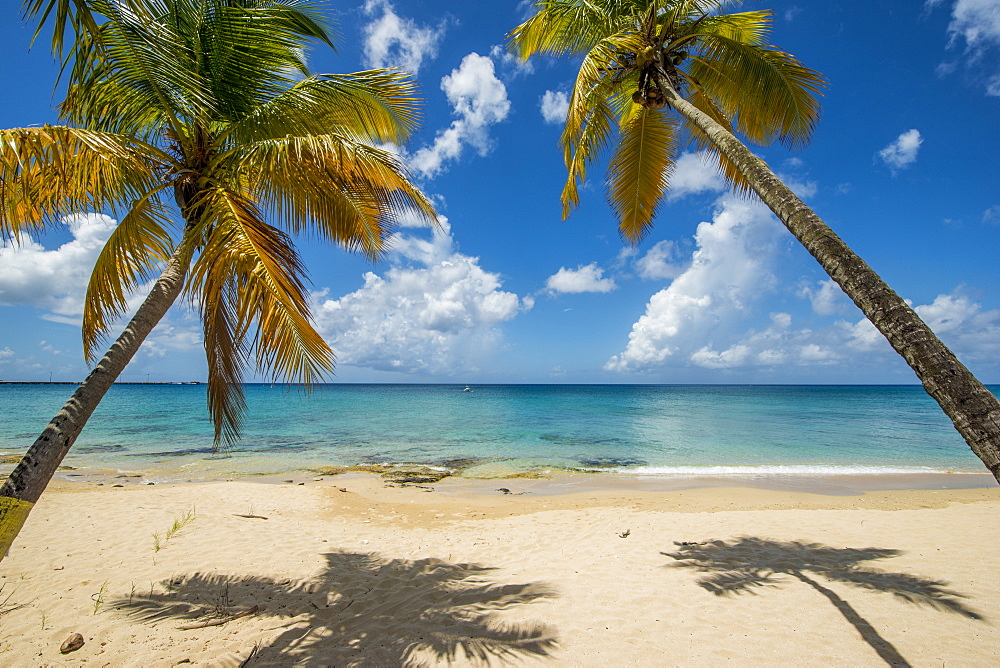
(664, 74)
(207, 103)
(749, 563)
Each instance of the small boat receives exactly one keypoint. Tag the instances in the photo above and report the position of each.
(467, 389)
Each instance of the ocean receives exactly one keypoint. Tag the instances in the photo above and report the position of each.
(163, 431)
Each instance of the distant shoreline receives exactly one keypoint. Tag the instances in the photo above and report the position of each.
(121, 382)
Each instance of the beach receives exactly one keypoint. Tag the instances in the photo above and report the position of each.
(575, 570)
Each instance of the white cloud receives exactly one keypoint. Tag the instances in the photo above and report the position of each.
(479, 99)
(826, 297)
(902, 152)
(735, 356)
(393, 41)
(54, 280)
(660, 262)
(511, 65)
(729, 269)
(554, 105)
(434, 311)
(585, 278)
(977, 24)
(5, 354)
(970, 332)
(973, 334)
(694, 173)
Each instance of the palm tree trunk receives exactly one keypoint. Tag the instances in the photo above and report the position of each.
(973, 409)
(30, 477)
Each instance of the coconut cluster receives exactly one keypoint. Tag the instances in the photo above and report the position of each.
(652, 98)
(649, 94)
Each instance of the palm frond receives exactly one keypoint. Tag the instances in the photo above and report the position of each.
(590, 119)
(374, 106)
(345, 191)
(769, 94)
(130, 257)
(52, 171)
(749, 28)
(142, 51)
(110, 105)
(563, 27)
(249, 279)
(73, 16)
(640, 170)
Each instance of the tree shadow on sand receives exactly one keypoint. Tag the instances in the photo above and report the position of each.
(748, 564)
(363, 610)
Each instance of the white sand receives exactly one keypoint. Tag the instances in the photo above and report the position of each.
(384, 576)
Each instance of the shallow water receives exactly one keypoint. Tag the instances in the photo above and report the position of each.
(164, 431)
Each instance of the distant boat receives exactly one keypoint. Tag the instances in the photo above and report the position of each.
(467, 389)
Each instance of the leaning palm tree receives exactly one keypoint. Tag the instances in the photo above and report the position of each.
(205, 108)
(660, 75)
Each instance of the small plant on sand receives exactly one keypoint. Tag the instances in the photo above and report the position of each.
(181, 521)
(98, 598)
(5, 604)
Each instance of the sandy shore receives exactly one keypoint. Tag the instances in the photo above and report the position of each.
(347, 571)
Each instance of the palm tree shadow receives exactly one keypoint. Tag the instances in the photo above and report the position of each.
(750, 564)
(363, 609)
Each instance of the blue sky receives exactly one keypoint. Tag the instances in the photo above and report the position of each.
(902, 166)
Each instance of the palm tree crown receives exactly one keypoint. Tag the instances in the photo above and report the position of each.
(719, 62)
(209, 105)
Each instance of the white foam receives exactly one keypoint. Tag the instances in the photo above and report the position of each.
(777, 469)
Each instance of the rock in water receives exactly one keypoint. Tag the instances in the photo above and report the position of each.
(73, 643)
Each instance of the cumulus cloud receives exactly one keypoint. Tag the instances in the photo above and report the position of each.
(479, 99)
(393, 41)
(660, 262)
(972, 333)
(434, 311)
(776, 345)
(729, 269)
(903, 152)
(585, 278)
(54, 280)
(694, 173)
(554, 105)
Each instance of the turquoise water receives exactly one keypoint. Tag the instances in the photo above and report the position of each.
(663, 430)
